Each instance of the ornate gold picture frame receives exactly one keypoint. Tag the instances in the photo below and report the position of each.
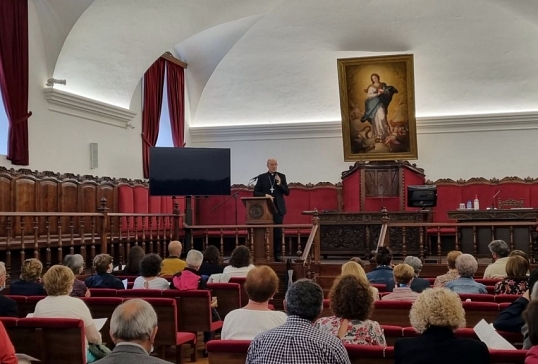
(377, 101)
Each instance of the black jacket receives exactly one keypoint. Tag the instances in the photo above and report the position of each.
(263, 187)
(8, 307)
(438, 345)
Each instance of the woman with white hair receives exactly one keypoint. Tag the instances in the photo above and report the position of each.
(466, 265)
(189, 278)
(75, 262)
(435, 314)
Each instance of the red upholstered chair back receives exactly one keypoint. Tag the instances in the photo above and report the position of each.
(477, 297)
(392, 333)
(476, 311)
(52, 340)
(228, 296)
(380, 286)
(370, 354)
(392, 312)
(166, 309)
(449, 197)
(23, 308)
(103, 292)
(227, 351)
(241, 282)
(194, 311)
(507, 356)
(296, 203)
(103, 307)
(500, 298)
(351, 193)
(142, 293)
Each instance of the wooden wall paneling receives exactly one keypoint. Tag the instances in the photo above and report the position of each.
(69, 202)
(108, 191)
(47, 201)
(25, 200)
(5, 200)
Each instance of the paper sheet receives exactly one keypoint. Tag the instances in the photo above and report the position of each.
(124, 283)
(99, 323)
(490, 337)
(23, 358)
(30, 315)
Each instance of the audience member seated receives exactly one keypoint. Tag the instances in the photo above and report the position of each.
(245, 323)
(149, 278)
(516, 281)
(173, 264)
(75, 262)
(466, 265)
(403, 278)
(452, 273)
(58, 304)
(531, 319)
(102, 277)
(212, 263)
(190, 279)
(383, 272)
(511, 318)
(358, 261)
(238, 266)
(30, 280)
(133, 327)
(435, 314)
(499, 251)
(8, 307)
(356, 270)
(297, 341)
(132, 268)
(7, 351)
(418, 284)
(352, 304)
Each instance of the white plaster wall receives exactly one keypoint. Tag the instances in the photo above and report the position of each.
(60, 143)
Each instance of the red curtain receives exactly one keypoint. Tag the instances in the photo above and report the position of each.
(151, 113)
(176, 104)
(14, 76)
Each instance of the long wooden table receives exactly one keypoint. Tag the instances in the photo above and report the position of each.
(511, 226)
(356, 233)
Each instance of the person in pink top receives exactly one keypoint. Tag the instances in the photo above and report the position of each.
(403, 276)
(189, 279)
(7, 351)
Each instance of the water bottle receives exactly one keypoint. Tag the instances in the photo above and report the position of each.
(476, 204)
(469, 205)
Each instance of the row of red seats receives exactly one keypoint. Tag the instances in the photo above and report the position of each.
(235, 352)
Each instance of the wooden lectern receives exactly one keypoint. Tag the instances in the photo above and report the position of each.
(260, 211)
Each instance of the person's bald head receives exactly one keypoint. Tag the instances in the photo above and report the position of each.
(272, 165)
(134, 321)
(174, 248)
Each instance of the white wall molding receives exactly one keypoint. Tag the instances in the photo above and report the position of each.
(83, 107)
(332, 129)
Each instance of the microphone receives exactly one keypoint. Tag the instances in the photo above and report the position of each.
(493, 200)
(253, 178)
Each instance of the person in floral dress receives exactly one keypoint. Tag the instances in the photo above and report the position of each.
(516, 281)
(352, 303)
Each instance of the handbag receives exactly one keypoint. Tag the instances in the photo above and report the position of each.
(99, 350)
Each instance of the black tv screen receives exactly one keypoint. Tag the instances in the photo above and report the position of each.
(189, 171)
(422, 196)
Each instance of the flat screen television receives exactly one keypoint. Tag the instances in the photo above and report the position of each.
(189, 171)
(422, 196)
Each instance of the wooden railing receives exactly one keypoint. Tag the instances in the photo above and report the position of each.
(48, 236)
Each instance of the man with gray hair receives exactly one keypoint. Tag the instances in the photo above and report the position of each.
(417, 284)
(499, 251)
(133, 327)
(8, 307)
(297, 341)
(466, 265)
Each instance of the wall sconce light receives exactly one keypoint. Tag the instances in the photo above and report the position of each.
(52, 81)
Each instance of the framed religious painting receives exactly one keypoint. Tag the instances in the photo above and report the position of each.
(377, 101)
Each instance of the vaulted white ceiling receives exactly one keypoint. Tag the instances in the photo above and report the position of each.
(267, 61)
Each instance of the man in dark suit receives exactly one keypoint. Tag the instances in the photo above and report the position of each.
(133, 327)
(273, 184)
(8, 307)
